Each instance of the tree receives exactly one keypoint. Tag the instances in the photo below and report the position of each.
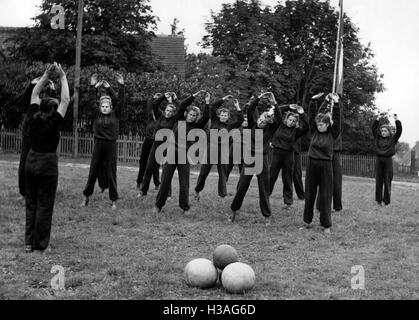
(291, 50)
(115, 33)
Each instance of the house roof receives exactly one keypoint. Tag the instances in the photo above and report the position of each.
(171, 49)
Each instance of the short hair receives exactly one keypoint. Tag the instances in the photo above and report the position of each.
(221, 110)
(196, 109)
(293, 114)
(48, 105)
(105, 98)
(170, 105)
(324, 118)
(388, 127)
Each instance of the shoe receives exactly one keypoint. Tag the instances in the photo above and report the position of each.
(141, 195)
(156, 210)
(288, 206)
(197, 197)
(379, 204)
(337, 210)
(326, 230)
(307, 226)
(267, 221)
(20, 198)
(187, 213)
(233, 216)
(85, 202)
(113, 205)
(28, 248)
(169, 198)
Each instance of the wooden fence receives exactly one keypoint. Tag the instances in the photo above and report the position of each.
(129, 150)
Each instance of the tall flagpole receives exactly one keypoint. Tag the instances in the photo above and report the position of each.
(77, 78)
(338, 43)
(338, 48)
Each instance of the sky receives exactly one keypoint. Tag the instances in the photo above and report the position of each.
(391, 26)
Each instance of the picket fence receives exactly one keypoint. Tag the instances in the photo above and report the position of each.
(129, 151)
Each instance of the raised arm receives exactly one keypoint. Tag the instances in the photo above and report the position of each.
(312, 112)
(399, 129)
(252, 104)
(277, 119)
(239, 117)
(65, 92)
(205, 115)
(41, 84)
(375, 127)
(303, 129)
(155, 105)
(337, 125)
(26, 97)
(186, 103)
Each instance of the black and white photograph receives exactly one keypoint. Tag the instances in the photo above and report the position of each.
(209, 156)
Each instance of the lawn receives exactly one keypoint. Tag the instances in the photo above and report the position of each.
(132, 253)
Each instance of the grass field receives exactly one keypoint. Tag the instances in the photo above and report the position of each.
(132, 253)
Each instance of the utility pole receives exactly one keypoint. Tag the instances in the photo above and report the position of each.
(77, 78)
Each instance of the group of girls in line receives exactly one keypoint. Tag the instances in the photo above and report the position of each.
(282, 128)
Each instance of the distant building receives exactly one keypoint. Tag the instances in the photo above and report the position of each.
(170, 48)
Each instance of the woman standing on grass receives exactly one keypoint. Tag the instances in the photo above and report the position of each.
(283, 143)
(319, 174)
(268, 122)
(41, 170)
(47, 91)
(106, 131)
(385, 149)
(190, 115)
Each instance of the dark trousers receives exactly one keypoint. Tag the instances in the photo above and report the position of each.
(297, 176)
(145, 152)
(105, 156)
(183, 171)
(231, 163)
(102, 177)
(282, 160)
(337, 183)
(206, 169)
(263, 184)
(41, 175)
(383, 178)
(22, 163)
(319, 176)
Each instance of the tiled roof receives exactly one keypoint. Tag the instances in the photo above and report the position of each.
(171, 48)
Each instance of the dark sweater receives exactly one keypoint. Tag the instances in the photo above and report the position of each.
(183, 145)
(44, 133)
(321, 145)
(217, 124)
(386, 147)
(285, 137)
(106, 126)
(167, 123)
(268, 131)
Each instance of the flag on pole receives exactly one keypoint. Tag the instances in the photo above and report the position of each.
(338, 73)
